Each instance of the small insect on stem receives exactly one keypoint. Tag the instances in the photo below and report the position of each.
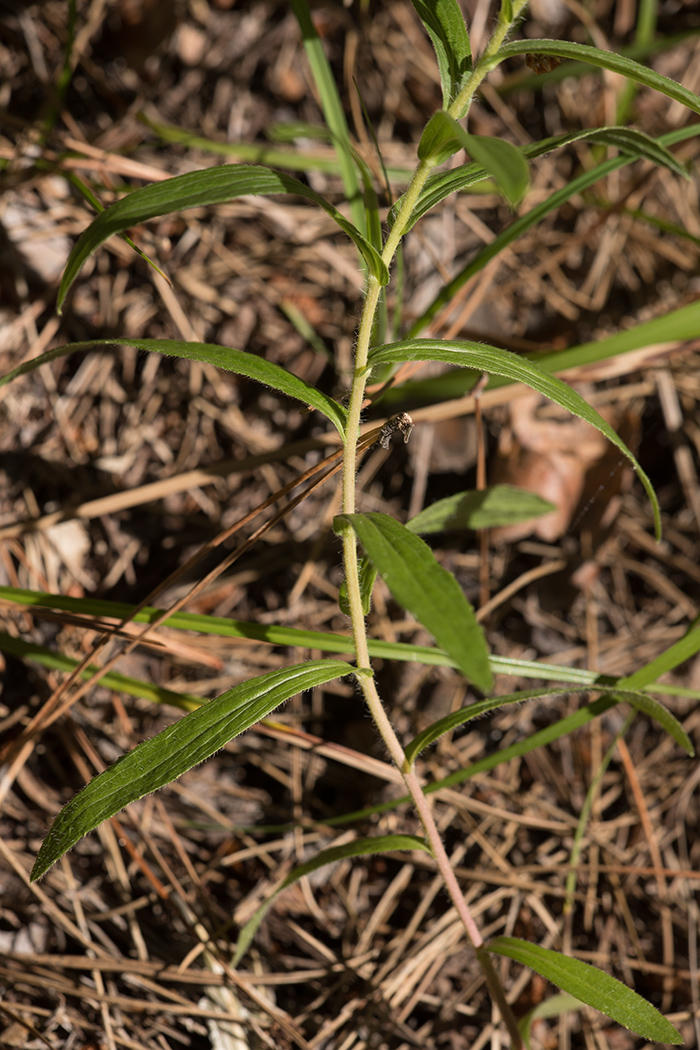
(401, 423)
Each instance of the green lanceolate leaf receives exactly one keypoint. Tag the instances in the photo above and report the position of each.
(487, 509)
(165, 757)
(358, 848)
(634, 144)
(227, 357)
(444, 23)
(501, 362)
(627, 67)
(443, 136)
(425, 589)
(591, 986)
(197, 189)
(646, 704)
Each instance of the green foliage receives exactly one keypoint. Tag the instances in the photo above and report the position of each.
(500, 362)
(487, 509)
(392, 550)
(591, 986)
(356, 848)
(408, 567)
(238, 361)
(195, 189)
(444, 23)
(443, 136)
(165, 757)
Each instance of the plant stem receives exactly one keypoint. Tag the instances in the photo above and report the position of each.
(457, 110)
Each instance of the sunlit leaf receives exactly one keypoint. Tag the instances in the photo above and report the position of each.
(227, 357)
(501, 362)
(429, 592)
(591, 986)
(186, 743)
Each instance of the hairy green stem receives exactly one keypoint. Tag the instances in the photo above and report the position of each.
(457, 110)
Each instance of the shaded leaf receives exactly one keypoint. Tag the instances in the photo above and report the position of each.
(227, 357)
(486, 509)
(186, 743)
(424, 588)
(591, 986)
(357, 848)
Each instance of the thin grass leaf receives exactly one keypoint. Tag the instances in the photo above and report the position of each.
(616, 63)
(120, 683)
(332, 109)
(500, 362)
(444, 24)
(165, 757)
(484, 509)
(421, 585)
(358, 848)
(238, 361)
(197, 189)
(274, 634)
(591, 986)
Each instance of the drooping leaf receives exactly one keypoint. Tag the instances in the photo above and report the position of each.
(186, 743)
(636, 145)
(591, 986)
(640, 701)
(616, 63)
(238, 361)
(444, 23)
(501, 362)
(507, 165)
(357, 848)
(197, 189)
(486, 509)
(425, 589)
